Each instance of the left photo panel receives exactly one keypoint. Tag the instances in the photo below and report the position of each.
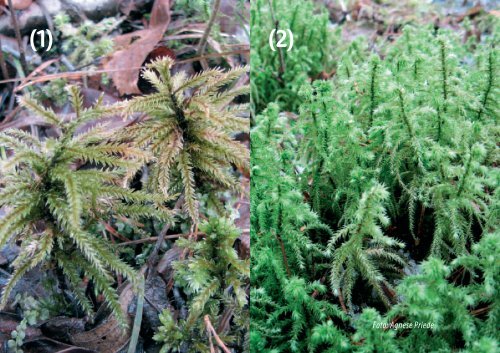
(124, 176)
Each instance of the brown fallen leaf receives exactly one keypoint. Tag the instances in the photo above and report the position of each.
(19, 4)
(165, 264)
(473, 11)
(107, 336)
(34, 340)
(495, 13)
(47, 345)
(159, 52)
(243, 222)
(134, 48)
(9, 322)
(156, 299)
(62, 328)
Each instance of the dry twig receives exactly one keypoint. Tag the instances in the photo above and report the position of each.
(280, 50)
(79, 74)
(153, 258)
(3, 65)
(203, 42)
(15, 24)
(212, 332)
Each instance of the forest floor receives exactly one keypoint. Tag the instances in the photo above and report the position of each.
(103, 46)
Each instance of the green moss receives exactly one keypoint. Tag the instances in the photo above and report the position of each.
(390, 162)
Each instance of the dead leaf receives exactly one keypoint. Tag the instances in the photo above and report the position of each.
(159, 52)
(129, 6)
(19, 4)
(47, 345)
(34, 341)
(231, 15)
(473, 11)
(9, 322)
(134, 48)
(62, 328)
(156, 295)
(108, 337)
(243, 222)
(165, 264)
(160, 14)
(224, 324)
(495, 13)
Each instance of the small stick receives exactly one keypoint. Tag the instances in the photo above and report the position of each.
(345, 11)
(209, 334)
(3, 65)
(79, 74)
(150, 239)
(113, 231)
(225, 319)
(15, 24)
(315, 293)
(480, 311)
(203, 42)
(119, 278)
(153, 257)
(420, 224)
(342, 304)
(283, 253)
(280, 51)
(11, 115)
(170, 236)
(153, 305)
(47, 16)
(210, 328)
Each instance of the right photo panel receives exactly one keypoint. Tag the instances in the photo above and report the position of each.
(374, 176)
